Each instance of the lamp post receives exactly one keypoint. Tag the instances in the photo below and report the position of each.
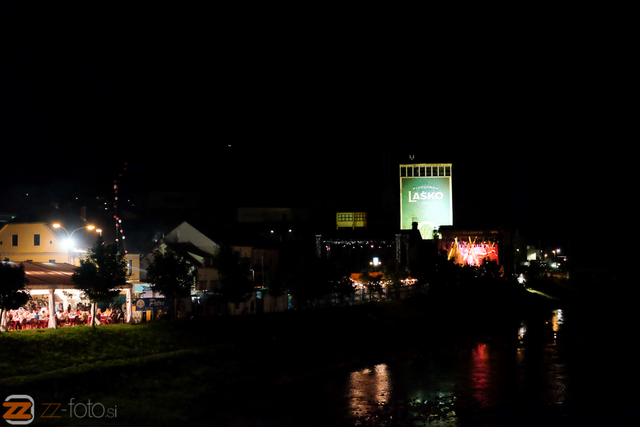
(68, 242)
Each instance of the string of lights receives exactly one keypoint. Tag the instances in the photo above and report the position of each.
(120, 238)
(354, 242)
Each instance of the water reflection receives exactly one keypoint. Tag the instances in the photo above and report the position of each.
(367, 386)
(522, 332)
(403, 393)
(496, 381)
(541, 374)
(521, 374)
(480, 375)
(545, 334)
(556, 320)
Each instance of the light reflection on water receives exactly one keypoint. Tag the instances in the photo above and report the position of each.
(366, 386)
(528, 372)
(467, 387)
(389, 394)
(480, 375)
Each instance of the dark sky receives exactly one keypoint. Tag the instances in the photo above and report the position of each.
(526, 99)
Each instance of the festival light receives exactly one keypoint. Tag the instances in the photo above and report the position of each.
(472, 253)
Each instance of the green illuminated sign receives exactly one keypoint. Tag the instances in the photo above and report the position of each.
(427, 201)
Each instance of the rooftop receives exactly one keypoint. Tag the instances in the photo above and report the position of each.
(45, 273)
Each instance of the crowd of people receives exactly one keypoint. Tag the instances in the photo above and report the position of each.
(36, 317)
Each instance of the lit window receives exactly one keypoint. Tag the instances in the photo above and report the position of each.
(345, 217)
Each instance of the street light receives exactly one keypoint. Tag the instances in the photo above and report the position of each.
(89, 227)
(68, 243)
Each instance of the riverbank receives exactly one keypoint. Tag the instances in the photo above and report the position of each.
(169, 373)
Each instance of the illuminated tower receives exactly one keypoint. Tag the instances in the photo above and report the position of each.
(425, 197)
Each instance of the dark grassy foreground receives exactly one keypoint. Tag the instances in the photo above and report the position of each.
(172, 373)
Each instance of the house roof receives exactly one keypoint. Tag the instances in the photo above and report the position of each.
(189, 249)
(225, 233)
(45, 275)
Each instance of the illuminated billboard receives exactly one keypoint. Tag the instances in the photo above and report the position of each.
(425, 197)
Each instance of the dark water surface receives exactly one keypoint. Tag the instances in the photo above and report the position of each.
(537, 377)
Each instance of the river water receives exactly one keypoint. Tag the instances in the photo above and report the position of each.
(534, 379)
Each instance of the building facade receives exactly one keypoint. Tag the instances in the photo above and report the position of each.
(200, 250)
(36, 242)
(39, 242)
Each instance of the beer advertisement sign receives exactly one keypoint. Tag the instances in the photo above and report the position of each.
(424, 199)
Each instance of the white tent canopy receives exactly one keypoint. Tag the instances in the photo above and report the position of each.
(54, 278)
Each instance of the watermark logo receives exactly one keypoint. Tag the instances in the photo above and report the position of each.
(91, 410)
(21, 409)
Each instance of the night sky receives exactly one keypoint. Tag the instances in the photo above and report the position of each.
(278, 105)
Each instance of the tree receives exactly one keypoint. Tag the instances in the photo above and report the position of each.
(344, 288)
(277, 286)
(444, 277)
(234, 270)
(171, 275)
(13, 292)
(101, 275)
(308, 278)
(372, 283)
(394, 274)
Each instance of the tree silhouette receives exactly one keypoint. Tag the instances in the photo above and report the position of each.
(308, 278)
(101, 275)
(371, 283)
(171, 275)
(236, 284)
(13, 292)
(394, 274)
(344, 288)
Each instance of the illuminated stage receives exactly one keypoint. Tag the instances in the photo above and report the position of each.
(472, 252)
(468, 246)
